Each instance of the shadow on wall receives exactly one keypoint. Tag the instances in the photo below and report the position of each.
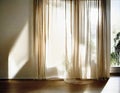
(15, 24)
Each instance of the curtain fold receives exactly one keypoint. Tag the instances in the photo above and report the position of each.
(72, 39)
(40, 38)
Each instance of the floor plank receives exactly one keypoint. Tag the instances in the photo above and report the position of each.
(59, 86)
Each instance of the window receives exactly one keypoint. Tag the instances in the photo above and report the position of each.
(115, 33)
(115, 36)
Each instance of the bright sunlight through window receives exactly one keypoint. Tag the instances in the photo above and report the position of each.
(57, 22)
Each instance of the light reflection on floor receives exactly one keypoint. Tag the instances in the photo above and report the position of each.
(112, 85)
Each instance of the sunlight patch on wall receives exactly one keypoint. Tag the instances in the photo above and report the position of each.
(19, 53)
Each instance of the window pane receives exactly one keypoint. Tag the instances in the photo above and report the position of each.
(115, 33)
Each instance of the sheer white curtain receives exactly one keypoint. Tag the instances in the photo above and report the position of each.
(71, 39)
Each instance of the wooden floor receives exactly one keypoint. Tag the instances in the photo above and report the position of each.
(59, 86)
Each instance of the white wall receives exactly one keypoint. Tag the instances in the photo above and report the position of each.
(16, 26)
